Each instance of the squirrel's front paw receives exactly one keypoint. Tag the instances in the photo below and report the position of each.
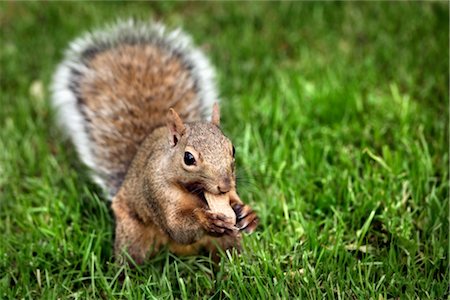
(217, 224)
(246, 218)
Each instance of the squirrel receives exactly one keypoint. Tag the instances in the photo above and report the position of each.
(139, 103)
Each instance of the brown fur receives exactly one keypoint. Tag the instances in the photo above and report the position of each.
(126, 96)
(155, 207)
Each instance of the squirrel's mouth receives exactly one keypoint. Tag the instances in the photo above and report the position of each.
(202, 197)
(197, 190)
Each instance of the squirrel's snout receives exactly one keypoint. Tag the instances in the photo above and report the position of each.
(225, 185)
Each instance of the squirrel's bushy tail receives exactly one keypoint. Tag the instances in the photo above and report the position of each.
(115, 86)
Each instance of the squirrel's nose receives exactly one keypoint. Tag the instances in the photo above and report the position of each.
(225, 185)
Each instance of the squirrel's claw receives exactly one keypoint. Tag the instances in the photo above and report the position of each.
(218, 224)
(249, 224)
(247, 220)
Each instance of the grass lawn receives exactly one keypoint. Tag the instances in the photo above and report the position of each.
(339, 114)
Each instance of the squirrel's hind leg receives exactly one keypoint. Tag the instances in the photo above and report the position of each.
(140, 241)
(208, 245)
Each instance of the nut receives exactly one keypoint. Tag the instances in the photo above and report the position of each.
(221, 204)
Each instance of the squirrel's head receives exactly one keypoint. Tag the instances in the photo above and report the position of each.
(203, 156)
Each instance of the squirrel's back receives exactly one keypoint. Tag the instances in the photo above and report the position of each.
(116, 85)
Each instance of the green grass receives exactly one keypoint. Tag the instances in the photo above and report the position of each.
(339, 114)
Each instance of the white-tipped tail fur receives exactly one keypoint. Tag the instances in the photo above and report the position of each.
(66, 100)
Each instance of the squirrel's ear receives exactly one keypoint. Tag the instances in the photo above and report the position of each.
(175, 125)
(215, 117)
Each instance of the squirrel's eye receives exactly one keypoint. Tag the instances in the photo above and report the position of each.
(189, 159)
(234, 151)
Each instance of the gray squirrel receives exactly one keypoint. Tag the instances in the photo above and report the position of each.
(137, 102)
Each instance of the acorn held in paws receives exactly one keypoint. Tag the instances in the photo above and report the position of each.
(221, 204)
